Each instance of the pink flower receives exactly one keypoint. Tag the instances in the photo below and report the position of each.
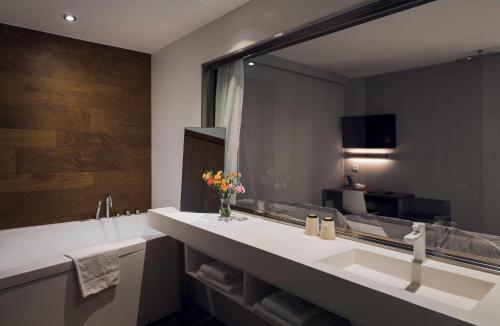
(240, 189)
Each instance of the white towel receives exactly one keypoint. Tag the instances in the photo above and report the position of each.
(220, 272)
(290, 308)
(232, 287)
(98, 268)
(274, 319)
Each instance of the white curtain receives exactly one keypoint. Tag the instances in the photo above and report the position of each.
(229, 108)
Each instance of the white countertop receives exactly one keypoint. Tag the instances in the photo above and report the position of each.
(291, 243)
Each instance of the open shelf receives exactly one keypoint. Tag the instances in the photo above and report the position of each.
(253, 290)
(194, 259)
(236, 297)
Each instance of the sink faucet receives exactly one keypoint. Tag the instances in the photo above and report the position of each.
(417, 239)
(109, 204)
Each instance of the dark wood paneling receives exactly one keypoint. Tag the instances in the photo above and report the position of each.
(44, 181)
(97, 139)
(75, 125)
(7, 161)
(27, 138)
(38, 160)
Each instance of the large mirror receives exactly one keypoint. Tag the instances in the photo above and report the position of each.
(379, 125)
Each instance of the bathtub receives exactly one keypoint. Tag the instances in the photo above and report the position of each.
(38, 284)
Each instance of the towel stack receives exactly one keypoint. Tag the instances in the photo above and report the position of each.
(221, 276)
(284, 309)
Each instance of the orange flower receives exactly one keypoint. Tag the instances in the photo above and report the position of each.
(210, 181)
(224, 187)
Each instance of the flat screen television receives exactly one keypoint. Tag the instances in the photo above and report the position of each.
(369, 131)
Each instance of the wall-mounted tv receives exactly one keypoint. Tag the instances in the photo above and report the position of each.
(369, 131)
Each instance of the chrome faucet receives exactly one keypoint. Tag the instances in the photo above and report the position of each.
(417, 239)
(109, 204)
(98, 213)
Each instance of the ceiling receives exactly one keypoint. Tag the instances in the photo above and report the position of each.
(437, 32)
(140, 25)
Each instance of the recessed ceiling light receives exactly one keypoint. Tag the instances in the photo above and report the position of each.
(69, 17)
(251, 63)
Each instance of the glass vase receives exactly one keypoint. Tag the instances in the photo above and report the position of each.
(225, 208)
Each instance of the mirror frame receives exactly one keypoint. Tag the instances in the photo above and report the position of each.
(317, 28)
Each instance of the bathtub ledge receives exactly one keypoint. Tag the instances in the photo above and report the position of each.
(32, 272)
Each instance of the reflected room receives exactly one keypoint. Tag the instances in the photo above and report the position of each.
(381, 127)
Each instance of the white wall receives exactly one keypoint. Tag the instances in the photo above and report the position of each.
(176, 76)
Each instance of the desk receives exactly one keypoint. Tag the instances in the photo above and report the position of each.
(388, 204)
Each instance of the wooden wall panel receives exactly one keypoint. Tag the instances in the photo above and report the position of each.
(44, 181)
(7, 161)
(27, 138)
(75, 125)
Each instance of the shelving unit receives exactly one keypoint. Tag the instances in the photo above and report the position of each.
(227, 307)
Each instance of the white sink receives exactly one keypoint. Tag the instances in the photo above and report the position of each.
(454, 289)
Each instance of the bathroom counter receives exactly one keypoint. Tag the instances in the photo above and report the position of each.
(284, 256)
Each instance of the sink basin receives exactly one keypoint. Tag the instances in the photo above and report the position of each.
(454, 289)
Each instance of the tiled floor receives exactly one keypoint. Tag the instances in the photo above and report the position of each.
(190, 315)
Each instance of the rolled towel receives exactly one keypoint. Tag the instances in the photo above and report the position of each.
(220, 272)
(98, 268)
(290, 308)
(232, 287)
(274, 319)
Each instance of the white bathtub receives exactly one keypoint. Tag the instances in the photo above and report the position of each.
(38, 284)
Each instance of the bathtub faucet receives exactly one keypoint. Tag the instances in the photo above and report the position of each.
(109, 204)
(98, 213)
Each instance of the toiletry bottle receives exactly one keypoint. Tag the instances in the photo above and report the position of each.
(327, 228)
(312, 225)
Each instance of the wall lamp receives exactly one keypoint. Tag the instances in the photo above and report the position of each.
(368, 152)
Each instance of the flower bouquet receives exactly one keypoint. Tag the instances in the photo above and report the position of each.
(225, 187)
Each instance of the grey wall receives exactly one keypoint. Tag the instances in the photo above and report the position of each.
(448, 136)
(290, 126)
(491, 142)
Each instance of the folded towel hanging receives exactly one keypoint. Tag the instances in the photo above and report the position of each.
(232, 287)
(220, 272)
(274, 319)
(98, 268)
(290, 308)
